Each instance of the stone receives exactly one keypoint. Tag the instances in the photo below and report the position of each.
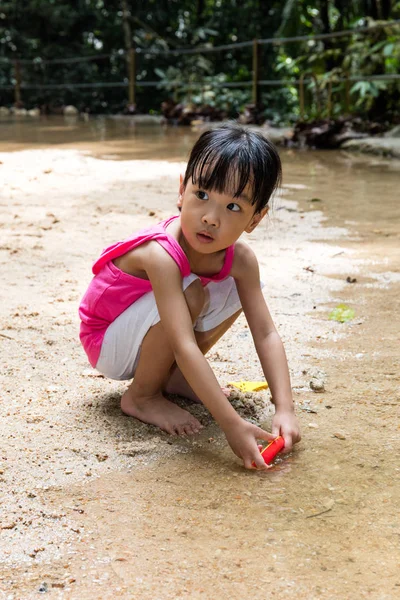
(70, 110)
(395, 132)
(317, 385)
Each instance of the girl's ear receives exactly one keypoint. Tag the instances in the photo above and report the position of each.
(257, 217)
(181, 190)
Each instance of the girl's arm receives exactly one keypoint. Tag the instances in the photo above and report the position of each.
(176, 320)
(267, 342)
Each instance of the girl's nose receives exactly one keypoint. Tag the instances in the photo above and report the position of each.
(211, 219)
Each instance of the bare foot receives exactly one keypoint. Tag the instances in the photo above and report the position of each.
(178, 385)
(157, 410)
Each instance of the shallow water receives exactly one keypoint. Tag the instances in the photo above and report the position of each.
(349, 188)
(181, 518)
(119, 138)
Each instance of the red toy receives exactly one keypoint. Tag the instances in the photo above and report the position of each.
(272, 450)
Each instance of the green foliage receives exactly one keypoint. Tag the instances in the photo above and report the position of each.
(57, 29)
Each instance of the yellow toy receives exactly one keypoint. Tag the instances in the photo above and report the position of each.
(249, 386)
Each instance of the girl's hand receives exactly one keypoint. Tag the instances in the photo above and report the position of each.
(285, 423)
(242, 438)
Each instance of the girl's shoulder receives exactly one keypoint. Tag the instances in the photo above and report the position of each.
(244, 260)
(155, 232)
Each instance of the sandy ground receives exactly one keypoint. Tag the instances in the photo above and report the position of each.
(97, 505)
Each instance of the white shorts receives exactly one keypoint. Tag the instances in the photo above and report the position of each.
(123, 339)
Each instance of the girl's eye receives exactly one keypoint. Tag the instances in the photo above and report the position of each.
(202, 195)
(233, 207)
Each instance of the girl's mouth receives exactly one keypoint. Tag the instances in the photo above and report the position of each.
(204, 237)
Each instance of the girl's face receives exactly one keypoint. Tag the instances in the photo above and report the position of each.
(212, 221)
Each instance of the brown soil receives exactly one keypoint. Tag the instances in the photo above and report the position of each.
(96, 505)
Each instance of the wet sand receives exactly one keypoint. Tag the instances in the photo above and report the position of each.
(97, 505)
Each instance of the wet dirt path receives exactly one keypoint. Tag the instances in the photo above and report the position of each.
(97, 506)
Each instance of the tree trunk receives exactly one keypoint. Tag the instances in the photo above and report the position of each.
(326, 28)
(386, 8)
(130, 55)
(371, 9)
(341, 10)
(200, 10)
(126, 13)
(324, 12)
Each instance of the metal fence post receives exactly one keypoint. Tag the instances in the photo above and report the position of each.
(347, 93)
(301, 94)
(17, 89)
(255, 95)
(132, 76)
(329, 99)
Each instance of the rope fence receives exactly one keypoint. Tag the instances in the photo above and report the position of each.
(203, 49)
(132, 82)
(199, 84)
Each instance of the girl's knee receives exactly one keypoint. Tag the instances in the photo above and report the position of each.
(195, 298)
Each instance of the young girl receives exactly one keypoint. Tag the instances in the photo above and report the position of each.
(162, 298)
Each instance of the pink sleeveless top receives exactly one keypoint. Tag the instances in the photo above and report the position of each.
(111, 290)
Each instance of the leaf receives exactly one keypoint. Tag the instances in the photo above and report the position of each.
(376, 47)
(160, 73)
(388, 50)
(342, 313)
(356, 87)
(361, 86)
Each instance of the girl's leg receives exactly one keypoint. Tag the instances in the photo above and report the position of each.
(144, 399)
(177, 384)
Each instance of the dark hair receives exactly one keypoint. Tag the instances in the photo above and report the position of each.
(227, 158)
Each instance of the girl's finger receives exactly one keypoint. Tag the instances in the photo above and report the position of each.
(275, 430)
(288, 444)
(260, 465)
(248, 464)
(264, 435)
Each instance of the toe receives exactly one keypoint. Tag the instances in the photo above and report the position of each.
(170, 429)
(189, 430)
(196, 424)
(180, 429)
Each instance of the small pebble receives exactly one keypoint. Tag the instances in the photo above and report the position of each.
(8, 526)
(101, 457)
(339, 436)
(313, 425)
(317, 385)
